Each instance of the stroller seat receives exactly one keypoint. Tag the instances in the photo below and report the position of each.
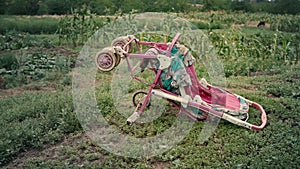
(180, 78)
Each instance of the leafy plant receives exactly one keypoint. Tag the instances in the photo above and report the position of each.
(26, 67)
(78, 27)
(25, 24)
(243, 54)
(13, 41)
(33, 120)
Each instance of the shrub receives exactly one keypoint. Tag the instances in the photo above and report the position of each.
(8, 61)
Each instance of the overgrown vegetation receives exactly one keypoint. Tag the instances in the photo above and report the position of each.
(13, 40)
(261, 64)
(33, 120)
(108, 7)
(278, 22)
(32, 25)
(230, 146)
(247, 51)
(25, 68)
(78, 27)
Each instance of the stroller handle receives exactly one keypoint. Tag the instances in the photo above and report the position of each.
(211, 111)
(263, 116)
(246, 124)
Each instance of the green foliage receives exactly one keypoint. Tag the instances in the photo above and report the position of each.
(286, 86)
(107, 7)
(241, 5)
(22, 7)
(288, 23)
(245, 53)
(217, 4)
(32, 25)
(286, 7)
(103, 7)
(3, 7)
(17, 7)
(27, 67)
(14, 41)
(8, 61)
(208, 25)
(58, 7)
(78, 27)
(33, 120)
(229, 147)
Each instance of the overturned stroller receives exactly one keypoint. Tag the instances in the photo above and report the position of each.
(176, 81)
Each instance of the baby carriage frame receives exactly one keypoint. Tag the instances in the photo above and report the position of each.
(224, 106)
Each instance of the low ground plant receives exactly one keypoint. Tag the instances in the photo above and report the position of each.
(26, 67)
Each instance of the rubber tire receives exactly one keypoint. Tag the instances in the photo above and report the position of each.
(135, 96)
(121, 41)
(110, 56)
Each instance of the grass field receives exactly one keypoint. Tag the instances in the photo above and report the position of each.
(40, 129)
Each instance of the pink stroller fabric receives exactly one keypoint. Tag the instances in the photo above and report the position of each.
(210, 94)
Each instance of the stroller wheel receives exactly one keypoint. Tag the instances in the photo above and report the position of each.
(118, 60)
(106, 60)
(122, 41)
(139, 97)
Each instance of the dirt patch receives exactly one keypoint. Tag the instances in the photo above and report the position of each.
(161, 165)
(30, 88)
(63, 51)
(257, 24)
(237, 26)
(266, 73)
(57, 51)
(49, 153)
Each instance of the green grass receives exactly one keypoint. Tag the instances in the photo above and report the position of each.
(39, 119)
(39, 129)
(32, 25)
(33, 120)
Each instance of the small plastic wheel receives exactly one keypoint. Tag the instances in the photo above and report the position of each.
(139, 97)
(122, 41)
(106, 60)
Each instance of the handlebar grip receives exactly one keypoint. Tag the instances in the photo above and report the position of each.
(263, 117)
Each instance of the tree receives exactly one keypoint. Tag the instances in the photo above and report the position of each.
(241, 5)
(16, 7)
(287, 6)
(3, 7)
(103, 7)
(32, 7)
(129, 5)
(59, 6)
(43, 8)
(170, 5)
(217, 4)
